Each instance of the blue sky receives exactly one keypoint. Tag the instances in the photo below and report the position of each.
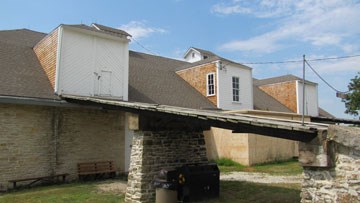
(244, 31)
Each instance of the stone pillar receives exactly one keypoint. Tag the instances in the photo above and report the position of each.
(340, 181)
(154, 150)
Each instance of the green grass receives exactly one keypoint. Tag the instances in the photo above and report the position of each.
(238, 192)
(289, 167)
(230, 191)
(74, 193)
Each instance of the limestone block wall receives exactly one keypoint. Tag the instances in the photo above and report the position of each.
(340, 183)
(154, 150)
(39, 140)
(25, 134)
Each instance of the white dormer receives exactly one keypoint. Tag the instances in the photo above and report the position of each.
(194, 54)
(86, 60)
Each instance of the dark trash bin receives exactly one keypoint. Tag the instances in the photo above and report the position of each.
(198, 182)
(166, 186)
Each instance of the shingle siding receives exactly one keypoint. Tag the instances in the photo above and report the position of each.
(196, 77)
(284, 92)
(46, 52)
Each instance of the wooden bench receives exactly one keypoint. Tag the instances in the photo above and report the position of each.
(96, 169)
(49, 178)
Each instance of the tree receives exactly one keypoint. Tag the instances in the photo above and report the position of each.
(352, 99)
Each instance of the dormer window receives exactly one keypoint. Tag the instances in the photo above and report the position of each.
(210, 84)
(236, 89)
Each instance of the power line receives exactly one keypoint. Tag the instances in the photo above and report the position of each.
(300, 61)
(142, 46)
(328, 84)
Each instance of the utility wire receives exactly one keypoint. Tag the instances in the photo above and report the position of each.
(328, 84)
(300, 61)
(142, 46)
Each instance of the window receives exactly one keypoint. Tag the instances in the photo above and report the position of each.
(210, 84)
(193, 55)
(235, 89)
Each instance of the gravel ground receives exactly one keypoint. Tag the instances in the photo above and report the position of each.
(260, 177)
(118, 187)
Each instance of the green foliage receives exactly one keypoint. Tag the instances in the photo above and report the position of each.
(352, 99)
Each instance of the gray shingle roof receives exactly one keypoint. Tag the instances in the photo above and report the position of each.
(209, 60)
(102, 29)
(110, 29)
(279, 79)
(20, 71)
(152, 79)
(204, 52)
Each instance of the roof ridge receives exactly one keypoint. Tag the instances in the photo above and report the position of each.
(22, 29)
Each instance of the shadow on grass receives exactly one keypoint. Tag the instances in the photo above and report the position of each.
(235, 191)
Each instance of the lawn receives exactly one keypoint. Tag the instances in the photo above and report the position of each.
(283, 168)
(230, 191)
(86, 192)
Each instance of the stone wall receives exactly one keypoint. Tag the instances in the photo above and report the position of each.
(153, 151)
(39, 140)
(340, 183)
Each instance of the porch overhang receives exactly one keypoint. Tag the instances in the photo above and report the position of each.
(158, 117)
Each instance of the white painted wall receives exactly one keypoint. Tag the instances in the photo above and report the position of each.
(224, 84)
(129, 134)
(311, 98)
(189, 56)
(92, 64)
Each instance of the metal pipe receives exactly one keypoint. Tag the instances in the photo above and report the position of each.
(303, 94)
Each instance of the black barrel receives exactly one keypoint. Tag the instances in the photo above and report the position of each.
(198, 182)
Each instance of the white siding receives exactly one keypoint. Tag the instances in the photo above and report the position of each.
(225, 99)
(311, 99)
(189, 57)
(90, 65)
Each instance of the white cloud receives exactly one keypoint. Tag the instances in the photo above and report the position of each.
(319, 23)
(138, 29)
(258, 8)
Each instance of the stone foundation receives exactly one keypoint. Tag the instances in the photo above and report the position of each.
(340, 183)
(152, 151)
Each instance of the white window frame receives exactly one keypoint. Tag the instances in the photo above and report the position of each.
(208, 85)
(235, 90)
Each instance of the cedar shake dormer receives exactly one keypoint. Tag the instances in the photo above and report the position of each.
(86, 60)
(227, 84)
(288, 89)
(198, 77)
(46, 51)
(284, 92)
